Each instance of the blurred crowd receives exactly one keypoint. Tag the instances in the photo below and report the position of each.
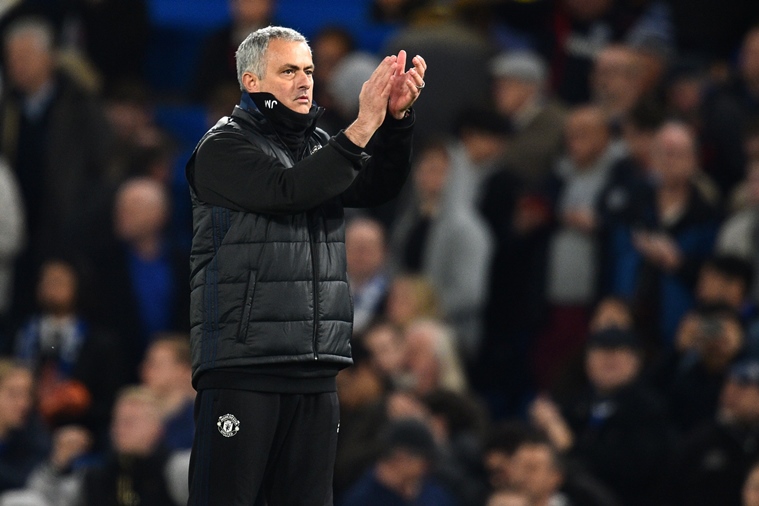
(561, 309)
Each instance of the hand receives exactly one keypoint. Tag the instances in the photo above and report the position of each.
(69, 442)
(406, 85)
(658, 249)
(372, 102)
(582, 219)
(545, 414)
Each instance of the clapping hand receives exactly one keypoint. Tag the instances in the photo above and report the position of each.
(406, 85)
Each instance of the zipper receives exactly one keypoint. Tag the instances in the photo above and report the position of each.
(314, 279)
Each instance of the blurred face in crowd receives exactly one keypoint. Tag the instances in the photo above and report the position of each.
(162, 371)
(136, 427)
(289, 75)
(15, 398)
(611, 368)
(508, 498)
(251, 13)
(57, 288)
(364, 249)
(403, 472)
(534, 472)
(29, 60)
(673, 157)
(141, 210)
(739, 402)
(430, 175)
(684, 95)
(387, 348)
(512, 95)
(717, 287)
(750, 60)
(616, 79)
(329, 49)
(586, 135)
(751, 488)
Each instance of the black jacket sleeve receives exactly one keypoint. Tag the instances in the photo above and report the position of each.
(386, 171)
(229, 171)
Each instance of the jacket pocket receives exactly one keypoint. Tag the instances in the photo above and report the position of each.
(247, 308)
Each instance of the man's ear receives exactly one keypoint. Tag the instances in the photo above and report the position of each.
(250, 82)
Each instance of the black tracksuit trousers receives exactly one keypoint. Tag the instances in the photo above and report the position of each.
(263, 449)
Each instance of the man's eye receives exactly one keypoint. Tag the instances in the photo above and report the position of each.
(288, 71)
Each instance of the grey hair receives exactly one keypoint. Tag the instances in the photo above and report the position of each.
(39, 27)
(251, 54)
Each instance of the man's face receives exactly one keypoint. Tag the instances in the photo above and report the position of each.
(533, 472)
(739, 402)
(611, 368)
(29, 63)
(289, 75)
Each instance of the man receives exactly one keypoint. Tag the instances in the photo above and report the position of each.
(271, 312)
(617, 427)
(401, 475)
(715, 458)
(520, 80)
(166, 372)
(365, 253)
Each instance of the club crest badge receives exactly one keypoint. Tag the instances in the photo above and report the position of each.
(228, 425)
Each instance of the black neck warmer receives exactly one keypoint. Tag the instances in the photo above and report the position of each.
(292, 127)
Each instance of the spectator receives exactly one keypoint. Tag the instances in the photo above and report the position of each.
(716, 457)
(330, 45)
(167, 372)
(366, 252)
(447, 242)
(616, 81)
(617, 428)
(585, 27)
(12, 237)
(498, 451)
(24, 441)
(432, 360)
(216, 64)
(401, 475)
(717, 121)
(726, 279)
(55, 138)
(458, 424)
(78, 366)
(142, 278)
(575, 251)
(362, 394)
(520, 94)
(708, 341)
(656, 256)
(386, 346)
(539, 471)
(138, 470)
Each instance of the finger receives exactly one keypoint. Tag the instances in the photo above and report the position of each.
(416, 78)
(401, 61)
(388, 87)
(420, 65)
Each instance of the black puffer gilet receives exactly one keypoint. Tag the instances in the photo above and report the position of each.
(268, 289)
